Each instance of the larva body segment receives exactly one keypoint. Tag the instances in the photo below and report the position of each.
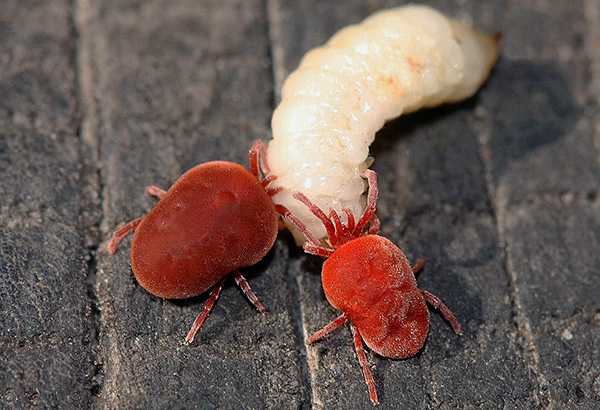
(394, 62)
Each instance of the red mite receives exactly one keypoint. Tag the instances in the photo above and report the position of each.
(215, 219)
(369, 279)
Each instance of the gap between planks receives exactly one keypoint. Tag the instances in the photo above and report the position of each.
(308, 357)
(91, 176)
(530, 352)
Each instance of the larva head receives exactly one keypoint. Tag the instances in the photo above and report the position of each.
(480, 52)
(215, 219)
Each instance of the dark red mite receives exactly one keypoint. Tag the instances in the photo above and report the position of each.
(215, 219)
(369, 279)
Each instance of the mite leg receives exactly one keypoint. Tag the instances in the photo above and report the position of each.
(268, 180)
(243, 284)
(124, 230)
(155, 192)
(208, 305)
(253, 156)
(258, 159)
(335, 218)
(313, 245)
(319, 334)
(375, 225)
(264, 164)
(273, 191)
(118, 235)
(416, 268)
(349, 218)
(258, 164)
(317, 250)
(318, 212)
(362, 359)
(447, 313)
(371, 202)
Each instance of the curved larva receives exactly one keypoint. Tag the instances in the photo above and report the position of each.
(394, 62)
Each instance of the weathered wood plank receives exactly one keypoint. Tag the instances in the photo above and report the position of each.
(544, 169)
(166, 85)
(448, 222)
(45, 343)
(434, 204)
(177, 84)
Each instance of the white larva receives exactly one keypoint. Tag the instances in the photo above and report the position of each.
(396, 61)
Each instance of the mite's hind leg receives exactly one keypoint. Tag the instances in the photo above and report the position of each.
(258, 159)
(447, 313)
(319, 334)
(375, 225)
(155, 192)
(313, 245)
(417, 266)
(271, 191)
(129, 226)
(371, 203)
(318, 212)
(362, 359)
(206, 308)
(120, 234)
(258, 165)
(243, 284)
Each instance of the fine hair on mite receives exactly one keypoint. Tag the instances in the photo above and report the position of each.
(216, 219)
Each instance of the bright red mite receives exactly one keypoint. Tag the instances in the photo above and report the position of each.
(215, 219)
(369, 279)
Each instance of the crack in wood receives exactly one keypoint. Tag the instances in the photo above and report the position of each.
(521, 321)
(91, 177)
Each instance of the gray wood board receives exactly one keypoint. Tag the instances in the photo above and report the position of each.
(543, 165)
(499, 194)
(45, 333)
(176, 84)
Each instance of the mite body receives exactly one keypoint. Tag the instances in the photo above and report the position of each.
(369, 279)
(396, 61)
(215, 219)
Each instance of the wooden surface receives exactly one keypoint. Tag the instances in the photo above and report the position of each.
(500, 194)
